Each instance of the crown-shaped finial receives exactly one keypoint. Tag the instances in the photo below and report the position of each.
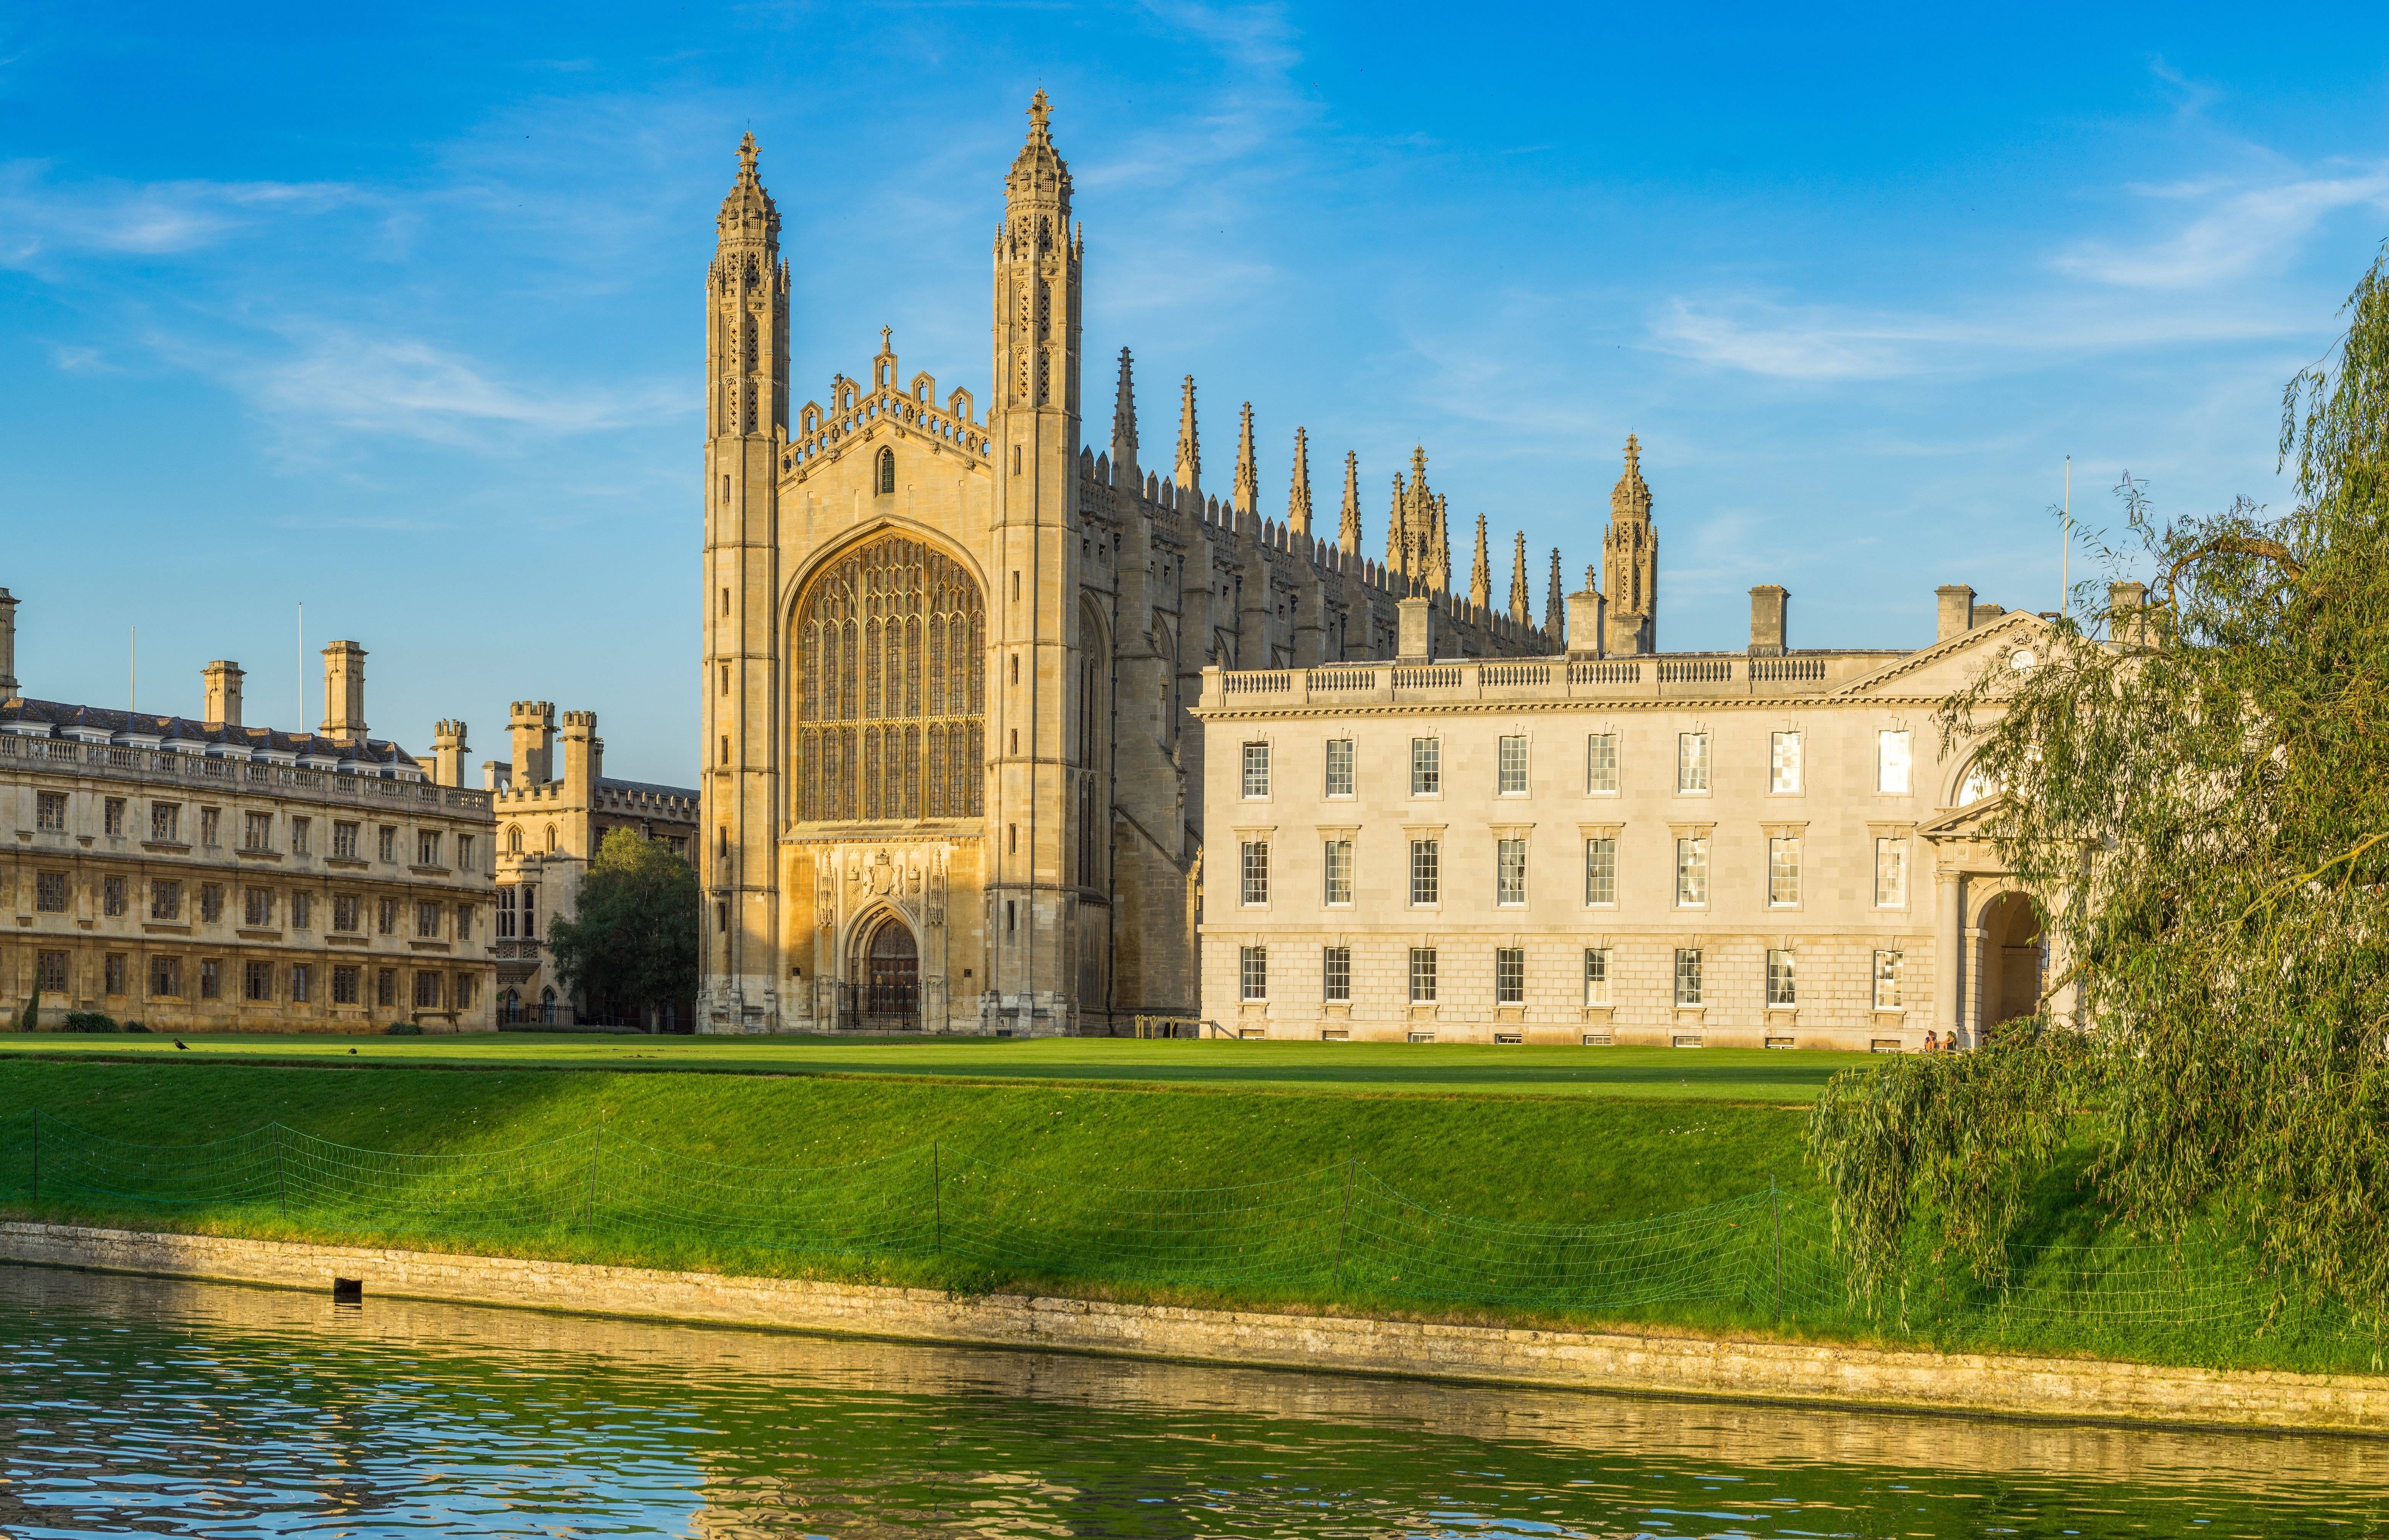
(1039, 110)
(747, 154)
(1634, 453)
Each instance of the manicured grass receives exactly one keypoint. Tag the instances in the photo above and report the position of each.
(1501, 1155)
(1674, 1074)
(1568, 1160)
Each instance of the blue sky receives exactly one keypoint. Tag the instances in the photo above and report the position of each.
(395, 311)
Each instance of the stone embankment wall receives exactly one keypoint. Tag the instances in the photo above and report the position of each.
(1672, 1365)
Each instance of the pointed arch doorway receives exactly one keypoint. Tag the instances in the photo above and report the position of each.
(890, 978)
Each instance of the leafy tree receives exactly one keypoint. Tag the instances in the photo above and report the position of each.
(2197, 796)
(632, 939)
(32, 1020)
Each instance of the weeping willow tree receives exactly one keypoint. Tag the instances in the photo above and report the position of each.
(2196, 795)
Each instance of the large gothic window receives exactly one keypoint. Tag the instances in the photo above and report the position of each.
(891, 689)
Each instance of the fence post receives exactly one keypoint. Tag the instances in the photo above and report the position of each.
(37, 1155)
(1775, 1204)
(1343, 1224)
(589, 1201)
(281, 1175)
(938, 1197)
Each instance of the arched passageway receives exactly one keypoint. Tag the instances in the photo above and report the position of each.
(2011, 960)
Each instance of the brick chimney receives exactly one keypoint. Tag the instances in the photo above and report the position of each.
(223, 679)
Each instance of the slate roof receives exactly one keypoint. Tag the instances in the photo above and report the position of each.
(58, 720)
(649, 787)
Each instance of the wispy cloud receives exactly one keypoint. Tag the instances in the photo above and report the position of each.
(405, 387)
(40, 218)
(2235, 230)
(1761, 336)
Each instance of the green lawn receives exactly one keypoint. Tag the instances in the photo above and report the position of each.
(1726, 1075)
(1072, 1126)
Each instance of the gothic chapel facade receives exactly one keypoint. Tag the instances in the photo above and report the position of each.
(951, 779)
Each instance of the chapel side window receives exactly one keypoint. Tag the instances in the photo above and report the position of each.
(891, 698)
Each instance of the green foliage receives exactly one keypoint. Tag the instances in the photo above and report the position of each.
(96, 1021)
(32, 1020)
(134, 1026)
(402, 1029)
(2199, 803)
(632, 939)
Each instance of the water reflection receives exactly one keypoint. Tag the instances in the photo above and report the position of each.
(137, 1406)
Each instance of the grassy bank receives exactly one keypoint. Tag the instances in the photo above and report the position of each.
(1726, 1075)
(1475, 1163)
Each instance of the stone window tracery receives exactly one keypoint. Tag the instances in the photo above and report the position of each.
(891, 694)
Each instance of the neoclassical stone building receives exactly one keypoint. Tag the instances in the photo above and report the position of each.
(202, 874)
(951, 779)
(1613, 844)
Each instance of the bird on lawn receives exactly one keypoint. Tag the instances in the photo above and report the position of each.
(179, 1043)
(352, 1050)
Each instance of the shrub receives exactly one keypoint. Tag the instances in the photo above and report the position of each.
(134, 1026)
(404, 1029)
(90, 1020)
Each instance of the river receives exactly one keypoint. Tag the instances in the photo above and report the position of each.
(138, 1406)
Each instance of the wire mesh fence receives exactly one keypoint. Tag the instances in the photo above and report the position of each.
(1341, 1231)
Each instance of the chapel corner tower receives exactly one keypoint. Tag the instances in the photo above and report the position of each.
(1037, 817)
(747, 421)
(1629, 560)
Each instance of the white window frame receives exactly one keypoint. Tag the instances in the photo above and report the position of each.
(1432, 852)
(1887, 981)
(1783, 763)
(1688, 979)
(1252, 972)
(1341, 776)
(1426, 767)
(1895, 762)
(1783, 871)
(1509, 975)
(1596, 975)
(1600, 774)
(1890, 871)
(1256, 772)
(1335, 974)
(1692, 764)
(1422, 971)
(1254, 875)
(1600, 871)
(1510, 756)
(1691, 872)
(1510, 871)
(1336, 873)
(1782, 979)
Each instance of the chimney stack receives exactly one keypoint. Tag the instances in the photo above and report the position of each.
(578, 738)
(448, 753)
(344, 693)
(222, 681)
(2128, 616)
(1956, 617)
(1415, 635)
(8, 690)
(1584, 618)
(1769, 605)
(533, 727)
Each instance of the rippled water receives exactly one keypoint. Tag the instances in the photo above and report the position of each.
(140, 1406)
